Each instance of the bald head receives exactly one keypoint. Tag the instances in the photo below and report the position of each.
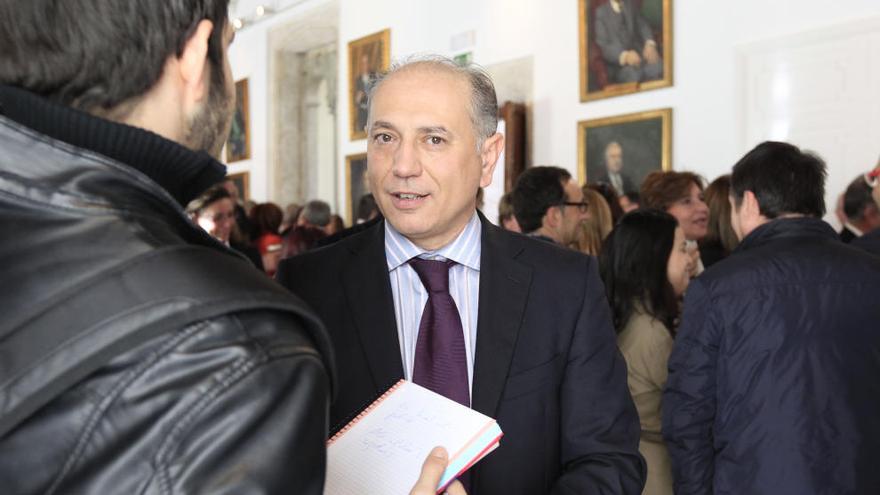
(483, 102)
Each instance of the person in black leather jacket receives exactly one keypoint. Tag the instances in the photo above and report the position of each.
(110, 115)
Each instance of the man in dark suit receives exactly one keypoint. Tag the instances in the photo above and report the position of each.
(627, 43)
(613, 174)
(524, 334)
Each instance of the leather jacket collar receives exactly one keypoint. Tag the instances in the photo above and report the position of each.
(182, 172)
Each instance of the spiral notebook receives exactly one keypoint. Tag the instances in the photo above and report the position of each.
(382, 450)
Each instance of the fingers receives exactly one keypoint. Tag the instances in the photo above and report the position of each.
(432, 471)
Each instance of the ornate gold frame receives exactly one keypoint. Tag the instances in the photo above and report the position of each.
(665, 114)
(349, 199)
(383, 37)
(625, 88)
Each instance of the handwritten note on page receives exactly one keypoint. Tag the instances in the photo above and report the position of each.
(382, 450)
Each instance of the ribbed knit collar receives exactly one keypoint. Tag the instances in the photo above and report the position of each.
(182, 172)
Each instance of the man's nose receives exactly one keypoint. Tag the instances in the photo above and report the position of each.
(406, 161)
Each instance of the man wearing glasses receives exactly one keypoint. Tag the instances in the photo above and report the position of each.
(549, 205)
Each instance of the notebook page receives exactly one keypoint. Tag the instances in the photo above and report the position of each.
(383, 452)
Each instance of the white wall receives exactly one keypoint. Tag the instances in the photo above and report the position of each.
(707, 132)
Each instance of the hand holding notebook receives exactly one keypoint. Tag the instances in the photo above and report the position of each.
(382, 450)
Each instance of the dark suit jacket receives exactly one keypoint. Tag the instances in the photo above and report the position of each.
(869, 242)
(846, 235)
(546, 365)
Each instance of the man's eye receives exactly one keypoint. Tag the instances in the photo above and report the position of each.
(382, 138)
(435, 140)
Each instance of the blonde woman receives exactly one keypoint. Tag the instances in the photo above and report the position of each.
(598, 224)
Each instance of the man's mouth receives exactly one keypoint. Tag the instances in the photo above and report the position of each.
(408, 196)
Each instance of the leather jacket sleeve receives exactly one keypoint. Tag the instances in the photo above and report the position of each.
(261, 427)
(236, 404)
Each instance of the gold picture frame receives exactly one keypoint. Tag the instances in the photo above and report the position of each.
(603, 76)
(367, 57)
(238, 145)
(242, 181)
(644, 144)
(355, 182)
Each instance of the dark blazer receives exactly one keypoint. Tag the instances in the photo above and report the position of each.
(847, 235)
(869, 242)
(546, 365)
(772, 379)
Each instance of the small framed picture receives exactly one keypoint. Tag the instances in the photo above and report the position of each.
(622, 150)
(243, 183)
(625, 46)
(238, 146)
(355, 183)
(367, 57)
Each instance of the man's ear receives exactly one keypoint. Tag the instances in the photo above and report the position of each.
(489, 153)
(193, 63)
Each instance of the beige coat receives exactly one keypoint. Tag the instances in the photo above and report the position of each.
(646, 345)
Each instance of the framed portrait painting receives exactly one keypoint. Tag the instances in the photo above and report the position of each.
(625, 46)
(620, 151)
(243, 183)
(355, 182)
(367, 57)
(238, 146)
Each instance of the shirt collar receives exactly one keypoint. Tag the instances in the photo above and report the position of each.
(464, 249)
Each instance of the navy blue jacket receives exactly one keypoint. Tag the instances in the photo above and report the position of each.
(869, 242)
(773, 381)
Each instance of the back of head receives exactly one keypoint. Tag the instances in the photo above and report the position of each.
(661, 189)
(633, 265)
(856, 199)
(784, 180)
(316, 212)
(598, 225)
(100, 56)
(611, 199)
(267, 218)
(719, 229)
(537, 189)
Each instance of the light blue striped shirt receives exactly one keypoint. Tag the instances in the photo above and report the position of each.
(410, 295)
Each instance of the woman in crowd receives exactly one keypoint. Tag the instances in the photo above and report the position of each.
(646, 267)
(681, 195)
(598, 224)
(214, 212)
(720, 238)
(266, 219)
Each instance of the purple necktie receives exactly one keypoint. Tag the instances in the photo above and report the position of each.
(440, 363)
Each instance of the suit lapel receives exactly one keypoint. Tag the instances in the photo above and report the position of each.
(368, 291)
(504, 289)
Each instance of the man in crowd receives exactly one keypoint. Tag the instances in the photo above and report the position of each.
(862, 213)
(613, 174)
(772, 385)
(140, 355)
(315, 213)
(515, 328)
(549, 205)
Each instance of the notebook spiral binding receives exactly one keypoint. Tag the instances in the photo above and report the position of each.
(366, 411)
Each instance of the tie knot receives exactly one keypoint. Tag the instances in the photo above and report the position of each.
(433, 274)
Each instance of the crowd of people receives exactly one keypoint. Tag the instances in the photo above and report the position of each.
(688, 338)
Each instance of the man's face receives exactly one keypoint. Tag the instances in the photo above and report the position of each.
(614, 158)
(573, 217)
(423, 165)
(208, 127)
(217, 219)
